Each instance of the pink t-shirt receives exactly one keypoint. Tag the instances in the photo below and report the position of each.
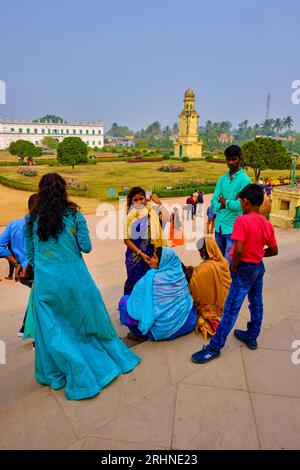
(256, 232)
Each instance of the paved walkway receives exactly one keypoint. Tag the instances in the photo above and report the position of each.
(243, 400)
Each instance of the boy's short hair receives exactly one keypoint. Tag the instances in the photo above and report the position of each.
(233, 151)
(254, 193)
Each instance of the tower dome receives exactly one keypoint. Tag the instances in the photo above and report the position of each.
(189, 93)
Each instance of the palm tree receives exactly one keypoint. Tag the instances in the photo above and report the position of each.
(268, 126)
(278, 125)
(288, 123)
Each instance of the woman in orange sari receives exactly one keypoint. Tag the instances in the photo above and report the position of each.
(209, 286)
(176, 233)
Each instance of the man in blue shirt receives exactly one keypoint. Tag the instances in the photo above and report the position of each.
(225, 203)
(13, 246)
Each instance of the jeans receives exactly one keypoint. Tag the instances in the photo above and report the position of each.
(224, 243)
(248, 280)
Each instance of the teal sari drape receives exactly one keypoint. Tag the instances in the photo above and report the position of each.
(161, 301)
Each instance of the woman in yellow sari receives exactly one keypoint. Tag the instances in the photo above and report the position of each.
(209, 286)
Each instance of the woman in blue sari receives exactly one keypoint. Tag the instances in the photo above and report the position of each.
(160, 306)
(143, 233)
(77, 346)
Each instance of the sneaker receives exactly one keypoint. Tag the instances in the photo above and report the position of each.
(242, 336)
(205, 355)
(21, 332)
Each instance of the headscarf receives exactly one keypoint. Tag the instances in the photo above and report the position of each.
(209, 287)
(156, 232)
(160, 300)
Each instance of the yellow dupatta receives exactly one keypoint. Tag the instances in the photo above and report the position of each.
(156, 233)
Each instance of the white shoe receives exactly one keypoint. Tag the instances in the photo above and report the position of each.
(20, 334)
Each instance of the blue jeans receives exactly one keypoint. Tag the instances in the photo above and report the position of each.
(224, 243)
(248, 280)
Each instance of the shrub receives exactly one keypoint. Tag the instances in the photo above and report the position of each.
(185, 159)
(75, 184)
(166, 157)
(171, 168)
(27, 171)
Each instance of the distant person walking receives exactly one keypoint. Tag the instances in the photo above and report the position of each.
(190, 202)
(225, 203)
(195, 197)
(200, 203)
(211, 216)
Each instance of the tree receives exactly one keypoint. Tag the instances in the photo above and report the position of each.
(288, 123)
(153, 130)
(263, 153)
(119, 131)
(175, 128)
(72, 151)
(278, 125)
(50, 118)
(38, 152)
(50, 142)
(23, 149)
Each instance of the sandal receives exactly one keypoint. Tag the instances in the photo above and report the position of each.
(133, 337)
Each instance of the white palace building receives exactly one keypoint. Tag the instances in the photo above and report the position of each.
(92, 133)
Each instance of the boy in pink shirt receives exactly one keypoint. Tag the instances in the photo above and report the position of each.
(251, 234)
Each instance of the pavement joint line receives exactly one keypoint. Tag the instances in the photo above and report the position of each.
(251, 402)
(159, 447)
(64, 412)
(275, 395)
(174, 419)
(74, 442)
(127, 409)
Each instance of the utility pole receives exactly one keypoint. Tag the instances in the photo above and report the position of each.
(268, 110)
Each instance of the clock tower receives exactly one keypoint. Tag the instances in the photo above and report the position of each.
(188, 144)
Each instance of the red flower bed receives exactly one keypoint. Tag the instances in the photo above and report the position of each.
(142, 160)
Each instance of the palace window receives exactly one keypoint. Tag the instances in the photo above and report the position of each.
(12, 129)
(87, 131)
(20, 130)
(99, 132)
(49, 131)
(43, 131)
(80, 131)
(74, 131)
(87, 142)
(93, 132)
(35, 131)
(61, 131)
(93, 143)
(28, 131)
(67, 131)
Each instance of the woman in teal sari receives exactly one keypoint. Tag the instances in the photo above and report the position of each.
(77, 346)
(160, 306)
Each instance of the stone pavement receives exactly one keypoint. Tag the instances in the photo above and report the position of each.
(243, 400)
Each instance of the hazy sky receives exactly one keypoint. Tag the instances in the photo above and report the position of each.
(129, 61)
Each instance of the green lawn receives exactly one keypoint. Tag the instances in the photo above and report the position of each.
(116, 175)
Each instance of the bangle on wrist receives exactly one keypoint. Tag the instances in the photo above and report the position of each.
(139, 252)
